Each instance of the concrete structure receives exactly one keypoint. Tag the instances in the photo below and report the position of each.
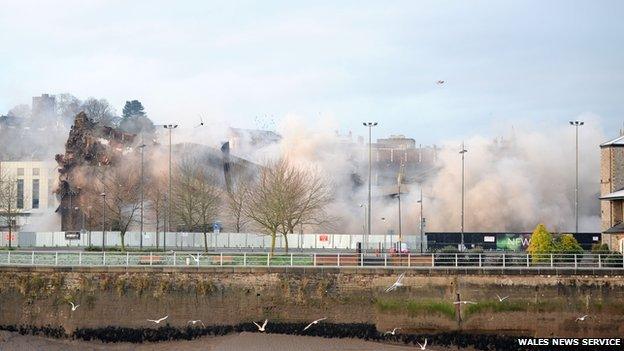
(35, 181)
(612, 193)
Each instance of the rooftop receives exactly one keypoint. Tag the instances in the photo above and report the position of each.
(619, 141)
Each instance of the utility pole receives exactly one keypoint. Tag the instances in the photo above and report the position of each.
(421, 220)
(142, 146)
(462, 152)
(576, 125)
(370, 126)
(171, 127)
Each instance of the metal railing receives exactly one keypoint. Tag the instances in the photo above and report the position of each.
(496, 260)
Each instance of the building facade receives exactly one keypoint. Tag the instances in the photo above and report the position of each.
(612, 193)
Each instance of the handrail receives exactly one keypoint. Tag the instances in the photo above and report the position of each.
(484, 260)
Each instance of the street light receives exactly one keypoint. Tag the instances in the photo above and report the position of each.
(576, 125)
(462, 152)
(399, 181)
(420, 201)
(142, 146)
(103, 195)
(370, 126)
(171, 127)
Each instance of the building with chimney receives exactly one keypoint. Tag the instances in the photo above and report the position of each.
(612, 193)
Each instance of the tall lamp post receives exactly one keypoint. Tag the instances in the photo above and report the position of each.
(103, 220)
(576, 125)
(365, 222)
(463, 153)
(422, 223)
(370, 126)
(399, 181)
(142, 146)
(170, 127)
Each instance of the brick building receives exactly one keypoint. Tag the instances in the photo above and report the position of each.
(612, 193)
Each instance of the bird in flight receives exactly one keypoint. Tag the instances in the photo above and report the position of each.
(422, 346)
(195, 258)
(464, 302)
(193, 322)
(74, 307)
(440, 82)
(314, 322)
(397, 284)
(261, 328)
(201, 121)
(157, 321)
(392, 332)
(581, 319)
(501, 299)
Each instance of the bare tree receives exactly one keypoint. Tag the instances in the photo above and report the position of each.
(209, 201)
(123, 199)
(185, 198)
(285, 196)
(236, 199)
(99, 111)
(156, 196)
(9, 209)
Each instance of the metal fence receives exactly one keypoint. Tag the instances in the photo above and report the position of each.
(257, 259)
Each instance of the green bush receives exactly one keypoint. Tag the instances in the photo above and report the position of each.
(541, 243)
(448, 249)
(600, 249)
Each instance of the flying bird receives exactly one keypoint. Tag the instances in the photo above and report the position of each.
(314, 322)
(422, 346)
(261, 328)
(74, 307)
(440, 82)
(397, 284)
(581, 319)
(196, 259)
(392, 332)
(501, 299)
(201, 122)
(193, 322)
(157, 321)
(464, 302)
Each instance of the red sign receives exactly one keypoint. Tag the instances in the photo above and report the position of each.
(6, 236)
(323, 237)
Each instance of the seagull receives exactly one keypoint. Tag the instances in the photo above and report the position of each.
(157, 321)
(196, 259)
(464, 302)
(74, 307)
(201, 122)
(581, 318)
(261, 328)
(315, 322)
(193, 322)
(396, 284)
(440, 82)
(422, 346)
(501, 299)
(393, 332)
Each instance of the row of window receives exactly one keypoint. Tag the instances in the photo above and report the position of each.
(20, 172)
(20, 193)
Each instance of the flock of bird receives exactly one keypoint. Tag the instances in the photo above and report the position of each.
(397, 284)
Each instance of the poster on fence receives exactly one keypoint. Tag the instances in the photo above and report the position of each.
(5, 235)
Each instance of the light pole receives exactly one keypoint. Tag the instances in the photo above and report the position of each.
(462, 152)
(576, 125)
(170, 127)
(370, 126)
(421, 219)
(103, 195)
(142, 146)
(365, 222)
(399, 181)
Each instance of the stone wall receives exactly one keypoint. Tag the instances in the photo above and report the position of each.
(540, 305)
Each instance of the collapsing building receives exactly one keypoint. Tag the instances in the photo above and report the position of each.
(88, 144)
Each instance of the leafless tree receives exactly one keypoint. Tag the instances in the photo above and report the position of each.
(285, 196)
(156, 202)
(121, 185)
(9, 211)
(236, 199)
(185, 198)
(99, 111)
(209, 201)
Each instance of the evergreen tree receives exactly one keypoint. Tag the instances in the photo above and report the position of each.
(567, 244)
(133, 109)
(134, 119)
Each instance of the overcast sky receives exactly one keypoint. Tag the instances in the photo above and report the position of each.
(523, 61)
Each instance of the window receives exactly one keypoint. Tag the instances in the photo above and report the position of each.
(51, 195)
(20, 192)
(35, 172)
(35, 193)
(20, 172)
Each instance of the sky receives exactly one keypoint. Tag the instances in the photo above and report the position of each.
(333, 64)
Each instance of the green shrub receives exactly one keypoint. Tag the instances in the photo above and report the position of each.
(541, 243)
